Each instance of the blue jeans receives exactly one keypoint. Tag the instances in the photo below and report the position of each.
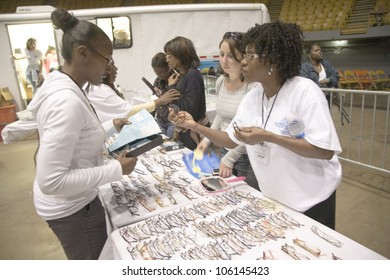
(30, 78)
(167, 128)
(82, 234)
(242, 167)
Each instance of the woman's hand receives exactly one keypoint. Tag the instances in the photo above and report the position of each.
(181, 119)
(225, 171)
(167, 97)
(202, 146)
(251, 135)
(324, 81)
(119, 123)
(173, 79)
(127, 163)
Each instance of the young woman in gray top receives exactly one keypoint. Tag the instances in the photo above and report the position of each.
(231, 87)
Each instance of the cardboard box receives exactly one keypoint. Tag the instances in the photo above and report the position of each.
(6, 97)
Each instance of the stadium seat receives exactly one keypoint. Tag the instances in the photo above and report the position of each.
(351, 80)
(383, 79)
(364, 78)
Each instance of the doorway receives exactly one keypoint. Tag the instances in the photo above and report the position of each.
(19, 34)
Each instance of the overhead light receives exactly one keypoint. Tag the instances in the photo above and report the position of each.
(340, 43)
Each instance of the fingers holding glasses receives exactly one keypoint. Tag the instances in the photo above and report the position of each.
(173, 113)
(237, 131)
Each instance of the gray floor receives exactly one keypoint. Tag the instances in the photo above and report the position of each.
(361, 211)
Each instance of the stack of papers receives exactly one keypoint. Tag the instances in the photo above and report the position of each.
(142, 125)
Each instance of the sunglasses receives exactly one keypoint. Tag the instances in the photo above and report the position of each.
(233, 35)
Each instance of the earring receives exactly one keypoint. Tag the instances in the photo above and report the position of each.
(270, 71)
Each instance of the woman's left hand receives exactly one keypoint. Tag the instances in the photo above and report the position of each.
(119, 123)
(251, 135)
(225, 171)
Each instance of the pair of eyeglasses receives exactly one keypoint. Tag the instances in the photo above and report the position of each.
(109, 61)
(251, 56)
(233, 35)
(236, 128)
(290, 250)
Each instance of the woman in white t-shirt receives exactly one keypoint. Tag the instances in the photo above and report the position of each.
(109, 105)
(285, 124)
(35, 63)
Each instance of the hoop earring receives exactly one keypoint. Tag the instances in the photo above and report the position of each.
(270, 71)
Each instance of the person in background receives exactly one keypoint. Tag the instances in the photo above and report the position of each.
(51, 61)
(161, 69)
(35, 63)
(69, 160)
(181, 55)
(285, 124)
(319, 70)
(108, 105)
(231, 87)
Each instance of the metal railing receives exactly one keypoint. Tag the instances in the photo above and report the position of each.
(209, 83)
(362, 122)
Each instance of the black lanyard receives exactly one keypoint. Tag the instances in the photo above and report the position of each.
(262, 108)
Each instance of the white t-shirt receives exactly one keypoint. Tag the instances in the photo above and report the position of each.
(322, 74)
(293, 180)
(34, 57)
(107, 104)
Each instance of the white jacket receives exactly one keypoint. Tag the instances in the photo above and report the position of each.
(70, 164)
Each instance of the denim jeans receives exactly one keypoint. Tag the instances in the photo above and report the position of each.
(167, 128)
(242, 167)
(82, 234)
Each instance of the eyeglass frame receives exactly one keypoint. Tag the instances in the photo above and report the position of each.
(109, 61)
(250, 57)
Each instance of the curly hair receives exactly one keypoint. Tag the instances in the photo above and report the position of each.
(280, 44)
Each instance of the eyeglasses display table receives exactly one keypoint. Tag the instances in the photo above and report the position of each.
(159, 184)
(173, 218)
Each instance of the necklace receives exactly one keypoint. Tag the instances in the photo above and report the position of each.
(272, 106)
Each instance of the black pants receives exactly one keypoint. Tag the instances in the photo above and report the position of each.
(324, 212)
(82, 234)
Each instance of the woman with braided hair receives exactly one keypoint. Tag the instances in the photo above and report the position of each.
(285, 125)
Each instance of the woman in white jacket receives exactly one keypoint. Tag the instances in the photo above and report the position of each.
(69, 161)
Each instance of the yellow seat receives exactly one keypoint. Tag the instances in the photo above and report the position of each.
(383, 79)
(351, 80)
(364, 78)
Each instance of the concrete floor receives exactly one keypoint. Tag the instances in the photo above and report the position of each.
(361, 211)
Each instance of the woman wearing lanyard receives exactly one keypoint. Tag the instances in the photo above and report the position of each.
(285, 124)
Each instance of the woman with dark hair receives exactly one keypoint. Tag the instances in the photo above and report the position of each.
(285, 124)
(231, 87)
(161, 85)
(69, 161)
(319, 70)
(35, 63)
(181, 55)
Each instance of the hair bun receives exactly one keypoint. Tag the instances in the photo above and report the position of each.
(63, 20)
